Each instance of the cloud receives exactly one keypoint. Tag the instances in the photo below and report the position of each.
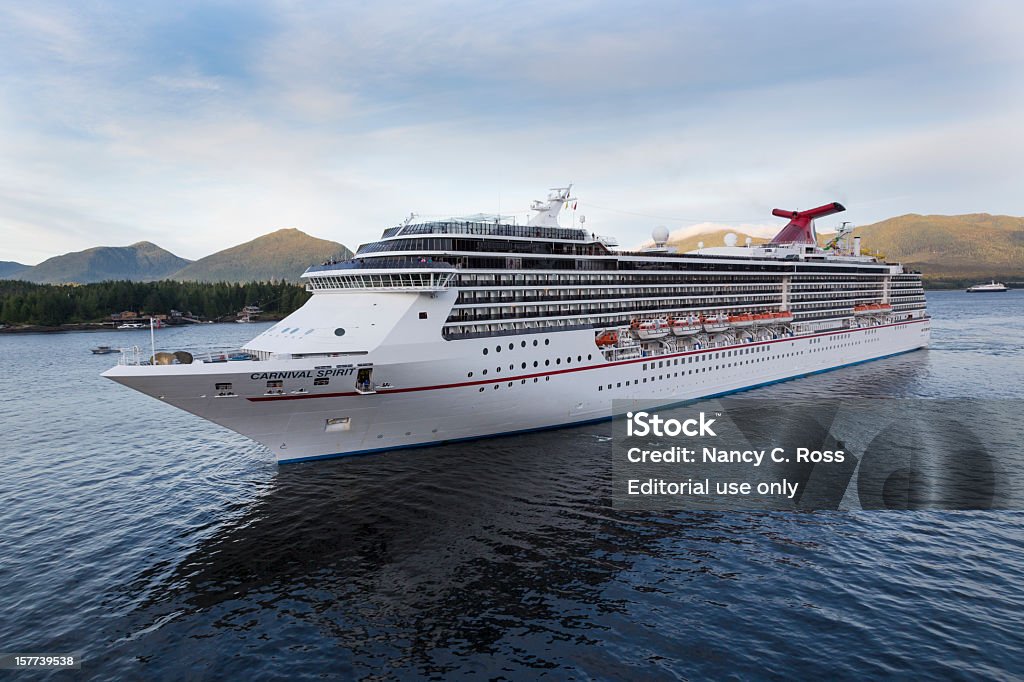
(199, 126)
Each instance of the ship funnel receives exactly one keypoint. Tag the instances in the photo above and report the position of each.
(800, 229)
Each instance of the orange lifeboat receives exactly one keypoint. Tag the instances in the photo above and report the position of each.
(648, 330)
(608, 338)
(744, 320)
(714, 324)
(783, 316)
(684, 326)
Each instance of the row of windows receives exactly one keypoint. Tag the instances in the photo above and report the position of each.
(512, 383)
(536, 364)
(470, 279)
(677, 264)
(448, 247)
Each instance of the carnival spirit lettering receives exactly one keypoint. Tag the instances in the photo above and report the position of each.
(303, 374)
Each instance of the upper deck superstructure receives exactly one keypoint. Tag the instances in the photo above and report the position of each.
(511, 278)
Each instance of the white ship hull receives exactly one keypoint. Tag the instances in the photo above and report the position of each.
(444, 396)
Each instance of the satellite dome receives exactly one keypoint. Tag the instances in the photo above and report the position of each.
(660, 235)
(730, 239)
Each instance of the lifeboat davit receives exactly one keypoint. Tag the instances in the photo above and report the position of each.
(784, 317)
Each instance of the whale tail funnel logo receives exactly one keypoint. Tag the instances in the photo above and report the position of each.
(800, 229)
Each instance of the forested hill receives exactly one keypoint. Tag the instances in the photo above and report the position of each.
(284, 254)
(52, 305)
(9, 267)
(143, 261)
(975, 245)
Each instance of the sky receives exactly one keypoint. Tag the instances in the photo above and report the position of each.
(198, 126)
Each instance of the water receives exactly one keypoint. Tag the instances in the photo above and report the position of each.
(161, 546)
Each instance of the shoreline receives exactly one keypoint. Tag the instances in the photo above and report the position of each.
(98, 327)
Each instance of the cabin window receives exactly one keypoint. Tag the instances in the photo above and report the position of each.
(222, 387)
(322, 381)
(277, 383)
(423, 316)
(339, 331)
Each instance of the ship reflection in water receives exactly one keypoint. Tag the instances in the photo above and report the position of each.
(481, 557)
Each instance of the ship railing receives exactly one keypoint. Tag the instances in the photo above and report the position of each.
(382, 281)
(402, 263)
(144, 356)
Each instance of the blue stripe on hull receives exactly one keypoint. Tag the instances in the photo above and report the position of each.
(586, 421)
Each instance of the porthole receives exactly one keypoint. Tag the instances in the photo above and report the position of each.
(547, 363)
(481, 389)
(511, 346)
(470, 374)
(535, 342)
(485, 351)
(524, 365)
(558, 361)
(523, 344)
(339, 332)
(497, 349)
(547, 342)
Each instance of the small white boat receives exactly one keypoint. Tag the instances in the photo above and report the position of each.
(990, 288)
(132, 325)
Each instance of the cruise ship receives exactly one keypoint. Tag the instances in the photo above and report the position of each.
(459, 329)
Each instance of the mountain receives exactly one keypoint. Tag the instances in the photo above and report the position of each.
(975, 245)
(284, 254)
(957, 247)
(716, 238)
(141, 262)
(9, 267)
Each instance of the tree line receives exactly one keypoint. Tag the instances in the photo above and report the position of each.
(55, 304)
